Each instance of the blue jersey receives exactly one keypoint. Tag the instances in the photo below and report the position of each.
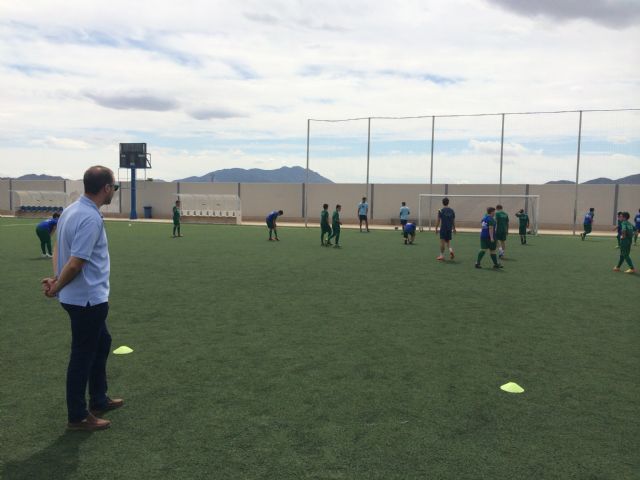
(272, 216)
(404, 213)
(49, 225)
(446, 216)
(410, 228)
(637, 220)
(588, 218)
(487, 222)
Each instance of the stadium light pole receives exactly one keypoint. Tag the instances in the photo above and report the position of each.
(306, 182)
(501, 154)
(368, 154)
(575, 197)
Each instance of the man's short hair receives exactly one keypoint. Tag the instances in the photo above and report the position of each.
(490, 209)
(364, 198)
(445, 201)
(404, 203)
(325, 205)
(338, 206)
(499, 207)
(591, 209)
(95, 178)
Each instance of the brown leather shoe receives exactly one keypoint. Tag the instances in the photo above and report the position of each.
(89, 424)
(112, 404)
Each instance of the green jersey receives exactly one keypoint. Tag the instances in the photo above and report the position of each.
(626, 231)
(523, 219)
(502, 221)
(335, 218)
(176, 214)
(324, 217)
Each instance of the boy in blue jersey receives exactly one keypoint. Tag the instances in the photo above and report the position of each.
(488, 238)
(363, 213)
(588, 223)
(404, 215)
(409, 232)
(272, 226)
(637, 222)
(447, 224)
(44, 230)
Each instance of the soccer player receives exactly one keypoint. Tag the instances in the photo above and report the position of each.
(404, 214)
(176, 219)
(44, 230)
(409, 232)
(271, 224)
(363, 213)
(523, 220)
(626, 234)
(325, 228)
(502, 229)
(488, 239)
(618, 229)
(637, 222)
(335, 225)
(588, 223)
(447, 224)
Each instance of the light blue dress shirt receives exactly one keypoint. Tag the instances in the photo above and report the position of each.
(404, 213)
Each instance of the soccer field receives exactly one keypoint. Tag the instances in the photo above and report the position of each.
(286, 360)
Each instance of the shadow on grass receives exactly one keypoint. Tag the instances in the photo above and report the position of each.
(58, 460)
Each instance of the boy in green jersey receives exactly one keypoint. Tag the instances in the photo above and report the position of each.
(626, 235)
(324, 226)
(523, 220)
(176, 219)
(502, 229)
(488, 239)
(335, 225)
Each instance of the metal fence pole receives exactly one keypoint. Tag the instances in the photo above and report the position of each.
(501, 154)
(575, 198)
(368, 153)
(433, 129)
(306, 184)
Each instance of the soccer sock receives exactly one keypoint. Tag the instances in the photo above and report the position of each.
(480, 255)
(42, 248)
(620, 261)
(49, 247)
(494, 258)
(174, 230)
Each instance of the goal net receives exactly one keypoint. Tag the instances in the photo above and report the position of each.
(210, 205)
(471, 208)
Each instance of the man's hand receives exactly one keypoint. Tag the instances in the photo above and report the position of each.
(49, 287)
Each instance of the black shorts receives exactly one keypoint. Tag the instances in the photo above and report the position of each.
(446, 235)
(362, 217)
(403, 222)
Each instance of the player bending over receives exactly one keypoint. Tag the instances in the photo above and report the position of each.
(488, 239)
(44, 230)
(523, 226)
(335, 225)
(447, 224)
(272, 225)
(626, 234)
(588, 223)
(325, 228)
(409, 232)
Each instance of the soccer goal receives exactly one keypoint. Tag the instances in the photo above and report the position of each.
(210, 207)
(471, 208)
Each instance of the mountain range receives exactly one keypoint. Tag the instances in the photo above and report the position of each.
(631, 179)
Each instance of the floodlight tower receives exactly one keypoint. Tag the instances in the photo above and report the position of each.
(134, 156)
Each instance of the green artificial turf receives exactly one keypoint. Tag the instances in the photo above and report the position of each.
(256, 359)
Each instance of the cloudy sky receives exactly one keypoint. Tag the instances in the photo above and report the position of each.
(216, 84)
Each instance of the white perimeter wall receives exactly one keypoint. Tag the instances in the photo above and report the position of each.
(556, 201)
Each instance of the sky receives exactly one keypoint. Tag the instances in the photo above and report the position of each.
(218, 84)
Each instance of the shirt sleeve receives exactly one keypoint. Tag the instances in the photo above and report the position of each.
(86, 238)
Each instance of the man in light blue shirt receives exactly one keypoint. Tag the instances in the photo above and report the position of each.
(404, 214)
(363, 211)
(81, 262)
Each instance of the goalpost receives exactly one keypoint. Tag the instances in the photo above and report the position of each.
(470, 209)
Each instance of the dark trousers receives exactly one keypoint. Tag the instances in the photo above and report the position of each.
(90, 346)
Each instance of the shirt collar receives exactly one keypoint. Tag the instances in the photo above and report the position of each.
(87, 201)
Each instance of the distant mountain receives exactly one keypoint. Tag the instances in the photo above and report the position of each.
(256, 175)
(630, 180)
(33, 176)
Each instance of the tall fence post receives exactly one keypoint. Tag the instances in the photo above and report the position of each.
(575, 197)
(433, 130)
(368, 153)
(501, 155)
(306, 182)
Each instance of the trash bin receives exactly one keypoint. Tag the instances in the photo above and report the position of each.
(147, 212)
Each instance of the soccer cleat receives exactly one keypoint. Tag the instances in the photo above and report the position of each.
(498, 266)
(44, 255)
(337, 246)
(631, 270)
(440, 258)
(405, 241)
(271, 239)
(616, 269)
(277, 239)
(478, 265)
(452, 255)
